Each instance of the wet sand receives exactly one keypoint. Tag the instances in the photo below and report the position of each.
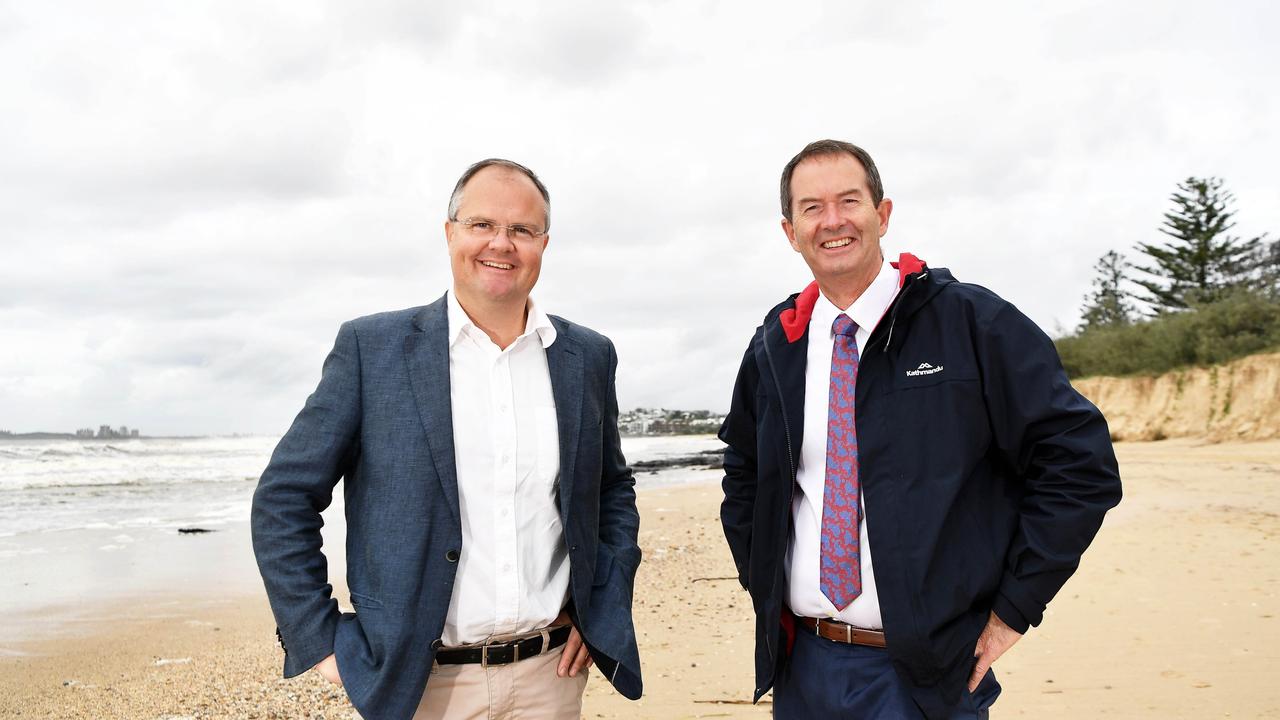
(1174, 613)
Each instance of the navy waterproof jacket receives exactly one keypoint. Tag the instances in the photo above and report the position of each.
(985, 475)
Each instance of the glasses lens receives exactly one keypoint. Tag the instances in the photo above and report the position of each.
(480, 227)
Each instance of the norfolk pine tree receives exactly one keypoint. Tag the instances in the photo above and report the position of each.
(1108, 304)
(1265, 266)
(1201, 262)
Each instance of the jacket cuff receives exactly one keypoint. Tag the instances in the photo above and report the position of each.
(1015, 607)
(300, 656)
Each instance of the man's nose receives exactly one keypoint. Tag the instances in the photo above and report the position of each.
(501, 240)
(831, 219)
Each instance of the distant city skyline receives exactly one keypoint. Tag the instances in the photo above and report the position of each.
(104, 432)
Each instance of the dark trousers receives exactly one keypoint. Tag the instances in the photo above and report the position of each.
(826, 679)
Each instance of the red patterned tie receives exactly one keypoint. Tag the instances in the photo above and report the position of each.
(841, 563)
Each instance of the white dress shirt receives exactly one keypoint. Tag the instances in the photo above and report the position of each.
(804, 587)
(513, 573)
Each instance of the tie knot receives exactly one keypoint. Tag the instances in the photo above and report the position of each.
(844, 326)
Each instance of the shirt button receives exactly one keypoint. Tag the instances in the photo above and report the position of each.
(451, 556)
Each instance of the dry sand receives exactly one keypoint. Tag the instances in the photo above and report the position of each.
(1174, 613)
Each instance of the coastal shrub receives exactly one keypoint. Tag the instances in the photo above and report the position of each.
(1239, 324)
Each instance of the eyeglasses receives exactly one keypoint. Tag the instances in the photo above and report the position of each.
(487, 229)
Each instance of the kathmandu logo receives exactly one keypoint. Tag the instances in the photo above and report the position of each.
(924, 369)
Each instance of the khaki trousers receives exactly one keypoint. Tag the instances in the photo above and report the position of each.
(529, 688)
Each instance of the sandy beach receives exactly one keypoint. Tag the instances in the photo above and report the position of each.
(1174, 613)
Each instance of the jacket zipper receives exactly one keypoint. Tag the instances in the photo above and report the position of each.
(782, 404)
(786, 429)
(893, 316)
(786, 426)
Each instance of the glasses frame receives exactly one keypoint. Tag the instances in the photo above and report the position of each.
(471, 222)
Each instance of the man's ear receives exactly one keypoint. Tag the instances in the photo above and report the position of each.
(884, 210)
(791, 234)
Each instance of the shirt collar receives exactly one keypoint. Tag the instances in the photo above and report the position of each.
(867, 309)
(536, 321)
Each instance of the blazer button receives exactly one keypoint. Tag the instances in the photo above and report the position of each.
(437, 644)
(451, 556)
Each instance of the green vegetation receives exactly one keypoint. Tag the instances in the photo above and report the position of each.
(1108, 304)
(1208, 297)
(1199, 262)
(1240, 324)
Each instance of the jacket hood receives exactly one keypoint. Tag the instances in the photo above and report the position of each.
(795, 320)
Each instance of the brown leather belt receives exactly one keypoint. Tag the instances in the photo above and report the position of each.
(841, 632)
(503, 653)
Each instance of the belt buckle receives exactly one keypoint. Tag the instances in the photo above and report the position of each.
(848, 634)
(484, 652)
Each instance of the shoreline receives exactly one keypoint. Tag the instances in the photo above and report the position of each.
(1174, 612)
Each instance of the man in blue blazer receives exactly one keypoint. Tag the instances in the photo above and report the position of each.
(491, 516)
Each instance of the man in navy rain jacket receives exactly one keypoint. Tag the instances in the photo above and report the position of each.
(890, 409)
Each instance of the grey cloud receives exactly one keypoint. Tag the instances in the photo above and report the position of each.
(166, 166)
(168, 123)
(196, 197)
(425, 27)
(558, 43)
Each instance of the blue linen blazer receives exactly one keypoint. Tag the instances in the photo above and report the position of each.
(381, 418)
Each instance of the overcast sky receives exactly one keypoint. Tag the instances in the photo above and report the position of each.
(196, 194)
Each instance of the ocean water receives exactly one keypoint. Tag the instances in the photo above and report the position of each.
(168, 483)
(54, 485)
(88, 527)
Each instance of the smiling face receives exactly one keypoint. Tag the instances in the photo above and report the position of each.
(835, 223)
(500, 269)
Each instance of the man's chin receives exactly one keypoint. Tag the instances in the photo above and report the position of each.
(837, 272)
(503, 293)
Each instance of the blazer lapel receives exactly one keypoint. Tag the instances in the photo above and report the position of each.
(426, 352)
(564, 364)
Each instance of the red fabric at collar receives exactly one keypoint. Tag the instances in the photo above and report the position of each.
(796, 320)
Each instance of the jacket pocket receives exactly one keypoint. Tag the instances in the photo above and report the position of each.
(356, 664)
(365, 602)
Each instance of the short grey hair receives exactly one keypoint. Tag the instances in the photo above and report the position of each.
(831, 147)
(455, 200)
